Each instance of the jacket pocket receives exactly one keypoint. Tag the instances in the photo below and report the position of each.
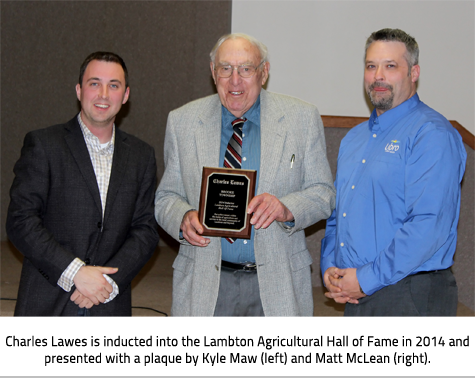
(300, 260)
(183, 264)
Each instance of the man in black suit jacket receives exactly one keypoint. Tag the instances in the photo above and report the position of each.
(81, 209)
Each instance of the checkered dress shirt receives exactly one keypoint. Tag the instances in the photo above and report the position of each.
(101, 158)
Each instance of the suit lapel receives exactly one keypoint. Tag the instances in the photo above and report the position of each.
(273, 132)
(208, 135)
(119, 165)
(78, 148)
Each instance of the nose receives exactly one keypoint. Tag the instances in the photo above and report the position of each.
(379, 74)
(104, 92)
(235, 77)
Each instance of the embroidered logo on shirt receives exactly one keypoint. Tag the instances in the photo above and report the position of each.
(392, 147)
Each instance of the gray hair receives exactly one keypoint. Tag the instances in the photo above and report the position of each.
(388, 34)
(233, 36)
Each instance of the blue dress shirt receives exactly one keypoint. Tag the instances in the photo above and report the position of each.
(398, 196)
(242, 251)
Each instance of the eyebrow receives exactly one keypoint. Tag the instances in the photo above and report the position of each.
(98, 79)
(227, 63)
(385, 61)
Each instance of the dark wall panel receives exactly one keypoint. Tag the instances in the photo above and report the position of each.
(165, 45)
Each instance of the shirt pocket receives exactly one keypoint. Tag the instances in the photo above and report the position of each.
(383, 181)
(390, 158)
(387, 179)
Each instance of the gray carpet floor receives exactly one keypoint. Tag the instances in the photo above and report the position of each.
(151, 289)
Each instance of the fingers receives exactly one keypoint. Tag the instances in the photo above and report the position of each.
(90, 282)
(107, 270)
(329, 277)
(338, 298)
(81, 300)
(192, 228)
(343, 300)
(267, 208)
(342, 285)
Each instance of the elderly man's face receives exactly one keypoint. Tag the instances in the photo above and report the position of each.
(238, 94)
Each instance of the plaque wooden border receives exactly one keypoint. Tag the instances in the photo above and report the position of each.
(244, 233)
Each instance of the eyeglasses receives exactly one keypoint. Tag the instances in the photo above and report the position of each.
(244, 71)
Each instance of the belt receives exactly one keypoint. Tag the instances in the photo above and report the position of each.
(248, 266)
(428, 272)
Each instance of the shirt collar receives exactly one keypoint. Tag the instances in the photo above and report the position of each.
(391, 116)
(93, 139)
(252, 115)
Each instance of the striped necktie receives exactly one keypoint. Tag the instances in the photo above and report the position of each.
(232, 157)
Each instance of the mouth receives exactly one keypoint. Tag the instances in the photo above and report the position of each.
(101, 106)
(379, 87)
(236, 93)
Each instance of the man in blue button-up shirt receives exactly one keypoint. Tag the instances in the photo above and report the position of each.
(390, 241)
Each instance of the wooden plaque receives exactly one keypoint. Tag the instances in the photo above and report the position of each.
(225, 194)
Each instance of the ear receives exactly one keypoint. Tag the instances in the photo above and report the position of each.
(265, 72)
(126, 96)
(78, 91)
(415, 72)
(213, 73)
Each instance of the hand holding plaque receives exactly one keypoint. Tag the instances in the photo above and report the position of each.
(225, 194)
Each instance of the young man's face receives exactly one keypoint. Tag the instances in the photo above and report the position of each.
(102, 93)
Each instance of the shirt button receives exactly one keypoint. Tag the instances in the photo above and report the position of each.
(243, 135)
(344, 214)
(363, 161)
(244, 158)
(374, 135)
(245, 242)
(342, 244)
(353, 187)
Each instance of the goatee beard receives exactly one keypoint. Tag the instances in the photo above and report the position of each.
(382, 103)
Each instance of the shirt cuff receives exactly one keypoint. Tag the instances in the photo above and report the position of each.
(367, 279)
(115, 288)
(66, 280)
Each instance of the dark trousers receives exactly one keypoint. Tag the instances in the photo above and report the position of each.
(238, 294)
(425, 294)
(83, 312)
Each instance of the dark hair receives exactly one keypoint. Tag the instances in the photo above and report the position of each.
(107, 57)
(388, 34)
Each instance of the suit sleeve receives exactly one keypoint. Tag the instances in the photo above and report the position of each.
(28, 202)
(142, 236)
(170, 201)
(316, 198)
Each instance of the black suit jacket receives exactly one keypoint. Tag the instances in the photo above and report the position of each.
(55, 215)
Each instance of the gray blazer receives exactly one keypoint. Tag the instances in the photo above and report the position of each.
(288, 127)
(55, 215)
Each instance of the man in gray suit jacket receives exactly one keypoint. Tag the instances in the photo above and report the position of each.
(81, 209)
(282, 139)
